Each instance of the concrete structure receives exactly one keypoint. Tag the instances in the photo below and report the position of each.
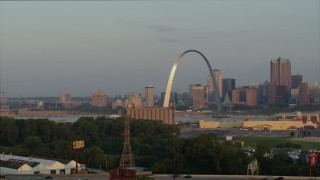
(8, 112)
(271, 93)
(283, 122)
(282, 94)
(149, 96)
(280, 75)
(218, 75)
(199, 97)
(11, 164)
(135, 101)
(314, 117)
(262, 93)
(166, 115)
(244, 96)
(65, 97)
(118, 103)
(280, 72)
(190, 86)
(171, 76)
(294, 96)
(303, 96)
(251, 97)
(99, 99)
(295, 81)
(220, 124)
(314, 90)
(277, 125)
(228, 85)
(291, 121)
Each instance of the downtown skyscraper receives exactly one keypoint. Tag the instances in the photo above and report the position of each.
(149, 96)
(280, 72)
(280, 76)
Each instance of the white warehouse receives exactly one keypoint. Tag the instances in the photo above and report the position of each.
(11, 164)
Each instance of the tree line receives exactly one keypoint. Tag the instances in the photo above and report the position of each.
(152, 145)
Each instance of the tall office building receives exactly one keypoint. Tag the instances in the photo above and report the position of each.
(244, 96)
(190, 92)
(303, 96)
(271, 93)
(295, 81)
(228, 85)
(149, 96)
(65, 97)
(314, 90)
(280, 75)
(294, 96)
(99, 99)
(218, 76)
(199, 97)
(235, 96)
(281, 72)
(251, 97)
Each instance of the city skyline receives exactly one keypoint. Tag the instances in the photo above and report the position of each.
(120, 47)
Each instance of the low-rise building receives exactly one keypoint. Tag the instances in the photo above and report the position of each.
(314, 117)
(11, 164)
(220, 124)
(275, 125)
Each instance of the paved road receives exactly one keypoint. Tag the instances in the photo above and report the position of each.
(231, 177)
(71, 177)
(156, 176)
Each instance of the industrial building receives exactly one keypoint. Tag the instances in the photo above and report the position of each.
(11, 164)
(166, 115)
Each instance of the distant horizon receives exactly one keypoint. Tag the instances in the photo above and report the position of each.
(119, 47)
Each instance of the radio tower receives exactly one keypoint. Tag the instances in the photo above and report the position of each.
(127, 160)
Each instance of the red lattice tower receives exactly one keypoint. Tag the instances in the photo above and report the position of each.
(127, 160)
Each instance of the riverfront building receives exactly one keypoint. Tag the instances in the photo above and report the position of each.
(165, 115)
(65, 97)
(244, 96)
(199, 97)
(99, 99)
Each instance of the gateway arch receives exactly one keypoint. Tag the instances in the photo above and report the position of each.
(171, 76)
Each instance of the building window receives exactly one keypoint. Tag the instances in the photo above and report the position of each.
(53, 172)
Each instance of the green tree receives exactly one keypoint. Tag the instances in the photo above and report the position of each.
(63, 149)
(9, 132)
(94, 157)
(292, 134)
(262, 148)
(34, 145)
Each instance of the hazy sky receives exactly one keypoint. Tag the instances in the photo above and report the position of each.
(122, 46)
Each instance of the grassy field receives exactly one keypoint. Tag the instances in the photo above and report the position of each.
(274, 141)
